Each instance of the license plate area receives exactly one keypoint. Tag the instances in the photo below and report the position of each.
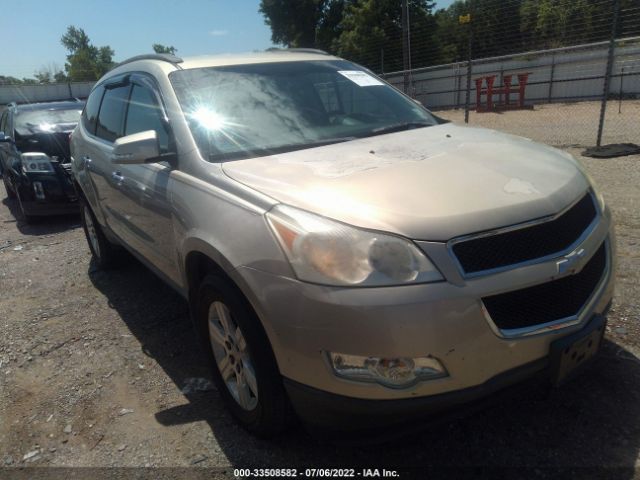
(570, 354)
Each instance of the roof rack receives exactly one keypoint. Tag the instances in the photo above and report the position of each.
(298, 50)
(164, 57)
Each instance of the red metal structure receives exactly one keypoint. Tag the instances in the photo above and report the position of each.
(506, 89)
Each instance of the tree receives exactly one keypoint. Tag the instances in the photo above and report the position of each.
(558, 23)
(159, 48)
(85, 61)
(60, 77)
(43, 76)
(356, 29)
(50, 73)
(371, 29)
(9, 80)
(300, 23)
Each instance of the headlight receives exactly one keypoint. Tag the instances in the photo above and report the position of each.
(332, 253)
(36, 163)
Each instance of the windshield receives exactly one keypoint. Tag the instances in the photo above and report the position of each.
(46, 119)
(248, 110)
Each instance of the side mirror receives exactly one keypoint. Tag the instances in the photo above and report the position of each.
(136, 148)
(4, 138)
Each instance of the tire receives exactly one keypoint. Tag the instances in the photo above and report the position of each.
(25, 216)
(7, 187)
(247, 359)
(103, 251)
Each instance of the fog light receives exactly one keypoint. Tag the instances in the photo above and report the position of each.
(38, 190)
(396, 372)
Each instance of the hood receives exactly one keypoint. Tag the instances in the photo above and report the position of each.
(53, 140)
(431, 183)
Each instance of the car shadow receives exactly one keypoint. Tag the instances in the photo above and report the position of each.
(44, 225)
(591, 422)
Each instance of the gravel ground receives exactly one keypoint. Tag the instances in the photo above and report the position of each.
(97, 369)
(563, 124)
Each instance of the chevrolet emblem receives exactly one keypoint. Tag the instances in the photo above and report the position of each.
(568, 263)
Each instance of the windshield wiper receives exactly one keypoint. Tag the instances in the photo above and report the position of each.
(398, 127)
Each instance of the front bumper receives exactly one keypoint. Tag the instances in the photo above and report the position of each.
(445, 320)
(59, 195)
(327, 412)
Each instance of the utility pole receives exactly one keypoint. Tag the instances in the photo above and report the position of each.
(466, 19)
(405, 45)
(607, 76)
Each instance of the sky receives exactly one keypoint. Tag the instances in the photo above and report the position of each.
(31, 29)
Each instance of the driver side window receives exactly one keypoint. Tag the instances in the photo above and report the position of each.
(144, 113)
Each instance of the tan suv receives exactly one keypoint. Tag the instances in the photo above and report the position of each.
(342, 250)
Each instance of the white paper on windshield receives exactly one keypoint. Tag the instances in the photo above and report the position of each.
(360, 78)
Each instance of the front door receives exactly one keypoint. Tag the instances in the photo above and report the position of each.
(98, 152)
(141, 192)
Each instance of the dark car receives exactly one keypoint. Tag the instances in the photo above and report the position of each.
(34, 156)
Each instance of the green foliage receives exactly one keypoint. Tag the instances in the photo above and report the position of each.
(159, 48)
(295, 22)
(371, 33)
(366, 31)
(50, 74)
(43, 76)
(9, 80)
(60, 77)
(555, 23)
(85, 61)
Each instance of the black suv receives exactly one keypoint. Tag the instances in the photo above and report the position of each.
(34, 156)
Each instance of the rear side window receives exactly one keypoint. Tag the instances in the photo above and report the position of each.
(90, 112)
(4, 123)
(111, 116)
(145, 114)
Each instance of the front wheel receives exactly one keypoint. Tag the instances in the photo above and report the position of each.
(7, 187)
(242, 363)
(25, 216)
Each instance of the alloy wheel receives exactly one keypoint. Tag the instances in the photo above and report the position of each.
(232, 356)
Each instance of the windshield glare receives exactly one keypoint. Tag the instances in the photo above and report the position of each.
(246, 110)
(46, 119)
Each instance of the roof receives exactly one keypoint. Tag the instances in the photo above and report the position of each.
(171, 62)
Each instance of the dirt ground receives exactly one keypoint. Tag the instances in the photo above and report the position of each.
(97, 369)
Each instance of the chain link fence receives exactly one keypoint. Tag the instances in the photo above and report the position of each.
(578, 94)
(563, 72)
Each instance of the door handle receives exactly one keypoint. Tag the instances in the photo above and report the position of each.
(117, 176)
